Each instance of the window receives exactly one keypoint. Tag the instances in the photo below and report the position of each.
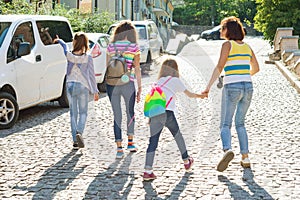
(49, 29)
(3, 30)
(103, 41)
(141, 30)
(23, 33)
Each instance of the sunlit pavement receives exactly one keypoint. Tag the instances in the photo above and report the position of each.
(37, 161)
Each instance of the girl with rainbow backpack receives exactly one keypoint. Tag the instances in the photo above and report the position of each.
(170, 83)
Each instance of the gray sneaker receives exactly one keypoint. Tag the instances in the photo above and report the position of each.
(245, 163)
(79, 140)
(223, 164)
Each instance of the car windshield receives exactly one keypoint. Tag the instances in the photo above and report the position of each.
(216, 28)
(141, 31)
(3, 30)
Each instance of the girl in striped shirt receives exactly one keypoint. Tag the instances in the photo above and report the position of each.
(124, 39)
(239, 63)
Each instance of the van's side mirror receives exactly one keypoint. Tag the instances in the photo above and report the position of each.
(24, 49)
(153, 36)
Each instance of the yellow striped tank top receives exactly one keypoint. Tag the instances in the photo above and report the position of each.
(237, 67)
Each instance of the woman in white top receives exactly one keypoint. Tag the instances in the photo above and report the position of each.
(81, 82)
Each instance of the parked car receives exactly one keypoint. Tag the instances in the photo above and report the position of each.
(150, 42)
(98, 43)
(214, 33)
(32, 68)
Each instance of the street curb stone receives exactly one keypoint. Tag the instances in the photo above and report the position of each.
(293, 79)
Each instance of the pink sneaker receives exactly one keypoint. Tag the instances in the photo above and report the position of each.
(188, 166)
(148, 177)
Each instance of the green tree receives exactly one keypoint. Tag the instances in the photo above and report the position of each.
(208, 12)
(272, 14)
(86, 22)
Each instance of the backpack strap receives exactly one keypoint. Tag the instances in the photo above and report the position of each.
(125, 49)
(166, 81)
(117, 50)
(169, 102)
(165, 84)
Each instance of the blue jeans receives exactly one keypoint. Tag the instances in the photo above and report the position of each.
(78, 96)
(157, 123)
(115, 93)
(236, 99)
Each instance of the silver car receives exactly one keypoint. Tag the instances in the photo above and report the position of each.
(98, 44)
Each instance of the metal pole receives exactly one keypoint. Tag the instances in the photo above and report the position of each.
(131, 10)
(117, 10)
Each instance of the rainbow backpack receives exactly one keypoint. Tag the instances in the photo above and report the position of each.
(155, 102)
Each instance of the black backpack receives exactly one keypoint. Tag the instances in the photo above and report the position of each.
(117, 72)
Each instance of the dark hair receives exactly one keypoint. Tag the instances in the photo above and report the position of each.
(235, 30)
(125, 29)
(169, 68)
(81, 42)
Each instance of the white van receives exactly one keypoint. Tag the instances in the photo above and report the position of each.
(32, 68)
(150, 42)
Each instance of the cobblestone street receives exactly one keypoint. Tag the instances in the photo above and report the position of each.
(37, 161)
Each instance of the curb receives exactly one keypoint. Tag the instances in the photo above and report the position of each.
(292, 78)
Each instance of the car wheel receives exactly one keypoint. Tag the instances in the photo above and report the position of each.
(161, 50)
(146, 66)
(63, 99)
(102, 86)
(9, 110)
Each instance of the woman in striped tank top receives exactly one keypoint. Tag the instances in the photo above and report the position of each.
(239, 63)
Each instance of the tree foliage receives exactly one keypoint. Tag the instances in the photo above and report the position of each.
(211, 12)
(86, 22)
(272, 14)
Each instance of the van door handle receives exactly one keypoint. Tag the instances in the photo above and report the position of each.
(38, 58)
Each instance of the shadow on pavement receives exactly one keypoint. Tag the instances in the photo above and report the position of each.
(237, 192)
(114, 183)
(175, 194)
(34, 116)
(56, 178)
(37, 115)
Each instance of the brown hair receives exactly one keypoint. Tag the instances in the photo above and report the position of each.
(169, 68)
(235, 30)
(81, 42)
(125, 29)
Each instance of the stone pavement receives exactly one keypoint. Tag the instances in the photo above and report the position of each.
(37, 161)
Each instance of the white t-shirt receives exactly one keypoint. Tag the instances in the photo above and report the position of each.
(173, 86)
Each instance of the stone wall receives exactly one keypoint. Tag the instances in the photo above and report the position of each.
(191, 30)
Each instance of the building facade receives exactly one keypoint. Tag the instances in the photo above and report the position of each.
(160, 11)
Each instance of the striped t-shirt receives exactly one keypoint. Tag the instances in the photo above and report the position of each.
(237, 67)
(132, 50)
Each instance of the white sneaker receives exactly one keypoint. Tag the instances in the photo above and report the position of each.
(245, 163)
(223, 164)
